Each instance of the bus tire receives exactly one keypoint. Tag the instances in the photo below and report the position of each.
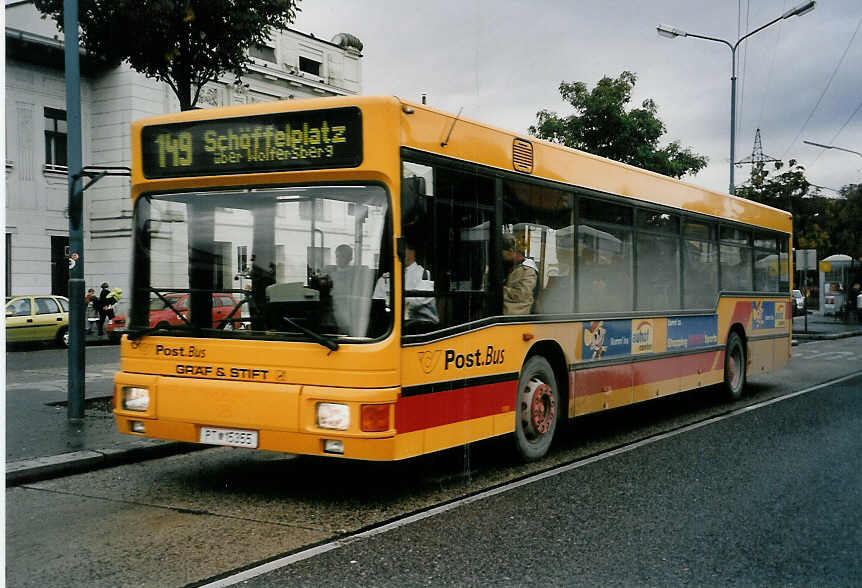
(734, 366)
(537, 409)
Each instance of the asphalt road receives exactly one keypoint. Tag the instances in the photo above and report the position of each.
(770, 497)
(766, 497)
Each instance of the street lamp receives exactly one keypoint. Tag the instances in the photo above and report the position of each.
(832, 147)
(671, 32)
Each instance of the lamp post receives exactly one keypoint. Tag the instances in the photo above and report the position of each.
(832, 147)
(672, 32)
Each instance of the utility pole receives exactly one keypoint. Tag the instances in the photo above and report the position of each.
(77, 311)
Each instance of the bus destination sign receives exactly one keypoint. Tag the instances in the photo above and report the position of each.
(283, 141)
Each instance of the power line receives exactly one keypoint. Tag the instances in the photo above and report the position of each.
(835, 136)
(744, 62)
(829, 83)
(771, 67)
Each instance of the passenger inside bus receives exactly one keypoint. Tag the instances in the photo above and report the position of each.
(522, 276)
(343, 276)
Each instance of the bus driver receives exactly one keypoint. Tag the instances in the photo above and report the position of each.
(416, 278)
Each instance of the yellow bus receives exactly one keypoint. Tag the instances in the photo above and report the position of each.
(371, 278)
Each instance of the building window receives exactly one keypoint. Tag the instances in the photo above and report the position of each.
(55, 137)
(242, 258)
(262, 52)
(309, 66)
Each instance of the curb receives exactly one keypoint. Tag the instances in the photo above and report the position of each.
(826, 336)
(39, 469)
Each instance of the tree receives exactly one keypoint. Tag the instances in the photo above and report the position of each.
(846, 214)
(184, 43)
(813, 213)
(602, 126)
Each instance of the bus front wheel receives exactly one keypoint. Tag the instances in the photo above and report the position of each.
(734, 366)
(538, 408)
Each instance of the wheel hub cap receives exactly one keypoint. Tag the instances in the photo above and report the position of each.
(539, 406)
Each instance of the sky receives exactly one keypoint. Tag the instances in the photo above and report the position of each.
(502, 61)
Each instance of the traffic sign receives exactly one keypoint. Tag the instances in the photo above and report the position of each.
(806, 259)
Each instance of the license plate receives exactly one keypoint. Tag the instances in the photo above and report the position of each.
(229, 437)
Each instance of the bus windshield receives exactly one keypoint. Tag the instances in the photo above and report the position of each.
(286, 263)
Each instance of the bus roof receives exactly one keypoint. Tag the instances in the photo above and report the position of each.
(427, 129)
(482, 143)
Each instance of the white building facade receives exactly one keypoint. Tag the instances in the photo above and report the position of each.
(292, 65)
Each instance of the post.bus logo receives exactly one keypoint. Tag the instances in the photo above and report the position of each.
(429, 360)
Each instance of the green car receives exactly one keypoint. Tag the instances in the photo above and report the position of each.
(37, 318)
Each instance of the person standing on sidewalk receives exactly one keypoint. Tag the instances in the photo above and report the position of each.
(90, 308)
(102, 306)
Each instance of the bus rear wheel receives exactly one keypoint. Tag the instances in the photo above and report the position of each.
(734, 366)
(538, 409)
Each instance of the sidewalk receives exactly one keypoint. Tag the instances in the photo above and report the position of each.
(824, 327)
(42, 443)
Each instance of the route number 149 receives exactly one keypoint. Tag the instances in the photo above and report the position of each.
(178, 147)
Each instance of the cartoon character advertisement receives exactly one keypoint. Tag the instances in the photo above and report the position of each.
(689, 332)
(762, 315)
(604, 339)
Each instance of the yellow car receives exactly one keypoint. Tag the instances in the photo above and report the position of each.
(37, 318)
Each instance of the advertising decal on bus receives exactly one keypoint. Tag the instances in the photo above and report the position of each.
(690, 332)
(763, 315)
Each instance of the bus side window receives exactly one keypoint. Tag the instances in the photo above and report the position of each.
(699, 265)
(463, 215)
(540, 219)
(605, 257)
(657, 276)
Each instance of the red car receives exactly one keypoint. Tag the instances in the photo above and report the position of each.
(162, 315)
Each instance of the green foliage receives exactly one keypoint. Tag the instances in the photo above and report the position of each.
(847, 215)
(830, 225)
(602, 126)
(184, 43)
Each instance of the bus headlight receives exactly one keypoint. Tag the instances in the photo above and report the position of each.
(136, 399)
(333, 416)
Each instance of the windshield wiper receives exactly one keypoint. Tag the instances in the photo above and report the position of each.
(317, 337)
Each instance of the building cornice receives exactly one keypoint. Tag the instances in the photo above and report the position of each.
(47, 51)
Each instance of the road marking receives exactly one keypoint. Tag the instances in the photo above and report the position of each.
(285, 561)
(824, 355)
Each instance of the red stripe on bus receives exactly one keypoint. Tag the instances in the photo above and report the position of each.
(604, 379)
(742, 314)
(424, 411)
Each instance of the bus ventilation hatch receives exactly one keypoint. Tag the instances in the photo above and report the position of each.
(522, 156)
